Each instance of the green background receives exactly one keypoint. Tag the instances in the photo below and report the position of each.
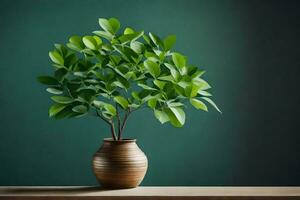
(250, 50)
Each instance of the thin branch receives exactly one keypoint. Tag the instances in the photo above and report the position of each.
(119, 120)
(113, 132)
(124, 122)
(110, 123)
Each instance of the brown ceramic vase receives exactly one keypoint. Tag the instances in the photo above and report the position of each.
(119, 164)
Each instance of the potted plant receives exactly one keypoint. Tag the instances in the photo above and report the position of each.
(111, 75)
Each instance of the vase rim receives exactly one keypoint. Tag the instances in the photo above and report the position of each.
(125, 140)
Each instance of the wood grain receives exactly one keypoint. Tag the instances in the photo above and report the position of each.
(149, 193)
(120, 164)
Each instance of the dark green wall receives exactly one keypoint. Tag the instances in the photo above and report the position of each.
(249, 48)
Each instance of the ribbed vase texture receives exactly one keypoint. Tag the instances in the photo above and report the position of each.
(120, 164)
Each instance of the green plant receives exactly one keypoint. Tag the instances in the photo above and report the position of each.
(112, 75)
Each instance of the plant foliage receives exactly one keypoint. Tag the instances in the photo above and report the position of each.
(112, 74)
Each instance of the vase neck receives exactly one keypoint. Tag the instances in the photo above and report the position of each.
(110, 140)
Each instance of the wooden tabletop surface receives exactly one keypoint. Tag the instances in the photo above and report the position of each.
(84, 192)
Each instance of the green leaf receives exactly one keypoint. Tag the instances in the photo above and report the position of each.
(183, 84)
(144, 95)
(56, 57)
(173, 71)
(202, 84)
(106, 47)
(159, 84)
(76, 42)
(110, 109)
(98, 104)
(147, 97)
(130, 37)
(211, 103)
(157, 52)
(152, 103)
(80, 74)
(122, 101)
(70, 60)
(174, 104)
(130, 74)
(136, 96)
(90, 42)
(176, 116)
(191, 90)
(166, 78)
(179, 60)
(56, 108)
(54, 91)
(77, 115)
(134, 105)
(128, 31)
(118, 84)
(122, 83)
(75, 39)
(115, 24)
(152, 67)
(98, 40)
(62, 50)
(60, 73)
(126, 52)
(198, 104)
(47, 80)
(198, 73)
(93, 81)
(169, 42)
(161, 116)
(138, 47)
(88, 52)
(62, 99)
(156, 40)
(151, 55)
(204, 93)
(146, 87)
(80, 109)
(115, 59)
(112, 25)
(105, 74)
(147, 39)
(66, 113)
(179, 90)
(104, 34)
(57, 66)
(87, 93)
(105, 25)
(73, 47)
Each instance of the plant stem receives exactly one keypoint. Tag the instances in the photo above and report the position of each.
(119, 121)
(112, 128)
(123, 124)
(110, 123)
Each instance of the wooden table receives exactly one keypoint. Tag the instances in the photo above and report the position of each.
(149, 193)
